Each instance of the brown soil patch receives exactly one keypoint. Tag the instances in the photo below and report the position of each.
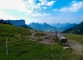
(46, 39)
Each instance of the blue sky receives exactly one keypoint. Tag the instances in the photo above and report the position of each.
(50, 11)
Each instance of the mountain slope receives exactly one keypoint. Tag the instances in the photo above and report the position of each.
(16, 22)
(20, 23)
(43, 26)
(63, 26)
(20, 47)
(78, 29)
(11, 31)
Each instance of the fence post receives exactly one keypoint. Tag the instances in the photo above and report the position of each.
(6, 45)
(52, 47)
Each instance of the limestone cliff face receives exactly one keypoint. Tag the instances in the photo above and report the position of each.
(17, 22)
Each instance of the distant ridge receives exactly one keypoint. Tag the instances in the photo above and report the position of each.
(44, 26)
(78, 29)
(51, 27)
(17, 22)
(63, 26)
(20, 23)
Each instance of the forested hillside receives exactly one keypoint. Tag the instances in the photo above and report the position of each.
(78, 29)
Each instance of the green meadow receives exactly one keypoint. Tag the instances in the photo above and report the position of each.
(75, 37)
(20, 47)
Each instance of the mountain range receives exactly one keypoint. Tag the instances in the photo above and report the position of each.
(63, 26)
(51, 27)
(16, 22)
(27, 44)
(20, 23)
(42, 26)
(77, 29)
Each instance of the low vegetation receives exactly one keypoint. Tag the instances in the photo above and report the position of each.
(78, 29)
(38, 39)
(75, 37)
(40, 34)
(20, 47)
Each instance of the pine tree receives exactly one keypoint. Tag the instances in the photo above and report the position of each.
(9, 23)
(5, 22)
(1, 21)
(25, 26)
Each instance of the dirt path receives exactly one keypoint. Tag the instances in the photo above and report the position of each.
(76, 46)
(48, 39)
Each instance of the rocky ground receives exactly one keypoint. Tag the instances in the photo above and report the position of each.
(50, 38)
(46, 39)
(76, 46)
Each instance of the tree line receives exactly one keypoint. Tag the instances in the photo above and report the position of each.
(8, 22)
(78, 29)
(4, 22)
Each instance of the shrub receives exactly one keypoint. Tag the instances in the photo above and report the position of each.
(40, 34)
(38, 39)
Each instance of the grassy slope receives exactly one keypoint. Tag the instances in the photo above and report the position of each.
(21, 48)
(78, 29)
(75, 37)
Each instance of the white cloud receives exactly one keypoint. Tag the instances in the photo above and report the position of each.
(61, 19)
(47, 3)
(27, 6)
(6, 16)
(32, 1)
(50, 3)
(44, 7)
(40, 14)
(13, 4)
(74, 7)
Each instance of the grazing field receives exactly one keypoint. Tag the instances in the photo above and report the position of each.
(20, 47)
(75, 37)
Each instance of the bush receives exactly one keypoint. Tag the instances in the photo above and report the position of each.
(40, 34)
(38, 39)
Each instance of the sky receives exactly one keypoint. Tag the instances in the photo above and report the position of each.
(49, 11)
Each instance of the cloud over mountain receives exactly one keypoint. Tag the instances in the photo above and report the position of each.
(51, 11)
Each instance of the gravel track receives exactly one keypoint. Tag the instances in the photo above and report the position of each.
(48, 39)
(76, 46)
